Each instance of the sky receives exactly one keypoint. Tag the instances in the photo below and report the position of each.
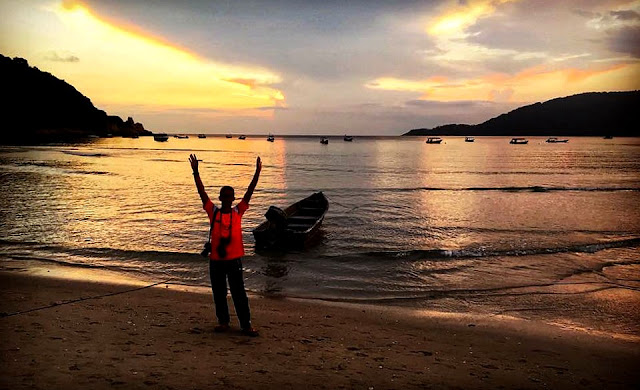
(361, 67)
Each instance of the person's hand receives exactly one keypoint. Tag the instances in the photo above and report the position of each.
(194, 163)
(258, 164)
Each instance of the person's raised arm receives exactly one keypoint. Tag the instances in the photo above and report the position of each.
(252, 185)
(196, 176)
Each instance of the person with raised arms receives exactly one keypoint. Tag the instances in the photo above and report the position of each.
(225, 250)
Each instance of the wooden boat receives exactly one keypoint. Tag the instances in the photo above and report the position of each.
(554, 140)
(271, 138)
(348, 138)
(519, 141)
(294, 227)
(202, 136)
(469, 139)
(161, 137)
(324, 141)
(434, 140)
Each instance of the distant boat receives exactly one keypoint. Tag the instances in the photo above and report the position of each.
(229, 136)
(161, 137)
(519, 141)
(434, 140)
(608, 137)
(324, 141)
(271, 138)
(469, 139)
(181, 136)
(294, 227)
(242, 137)
(554, 140)
(202, 136)
(348, 138)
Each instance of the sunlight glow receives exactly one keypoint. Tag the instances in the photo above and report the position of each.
(458, 16)
(119, 65)
(533, 84)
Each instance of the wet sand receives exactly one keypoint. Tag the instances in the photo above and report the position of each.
(162, 338)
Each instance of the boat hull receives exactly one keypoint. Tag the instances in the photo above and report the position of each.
(302, 230)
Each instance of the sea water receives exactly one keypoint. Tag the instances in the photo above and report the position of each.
(542, 231)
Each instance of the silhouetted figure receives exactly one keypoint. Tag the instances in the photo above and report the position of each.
(225, 250)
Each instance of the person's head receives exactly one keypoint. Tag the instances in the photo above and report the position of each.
(227, 196)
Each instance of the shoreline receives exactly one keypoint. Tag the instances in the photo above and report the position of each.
(131, 337)
(73, 273)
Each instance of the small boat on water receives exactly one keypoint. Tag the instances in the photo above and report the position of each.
(519, 141)
(434, 140)
(324, 141)
(294, 227)
(229, 136)
(608, 137)
(202, 136)
(348, 138)
(181, 136)
(242, 137)
(271, 138)
(161, 137)
(469, 139)
(554, 140)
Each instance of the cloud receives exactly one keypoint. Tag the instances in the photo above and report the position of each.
(625, 15)
(54, 56)
(141, 69)
(626, 40)
(458, 15)
(533, 84)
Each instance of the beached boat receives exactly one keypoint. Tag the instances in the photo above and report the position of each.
(202, 136)
(242, 137)
(434, 140)
(469, 139)
(519, 141)
(348, 138)
(554, 140)
(324, 141)
(271, 138)
(294, 227)
(161, 137)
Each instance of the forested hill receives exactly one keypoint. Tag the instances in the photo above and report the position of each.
(585, 114)
(38, 107)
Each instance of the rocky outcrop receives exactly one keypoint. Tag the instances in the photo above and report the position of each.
(42, 108)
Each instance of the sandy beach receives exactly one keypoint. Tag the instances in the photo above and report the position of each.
(121, 336)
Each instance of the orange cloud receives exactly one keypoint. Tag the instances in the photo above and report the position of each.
(533, 84)
(123, 65)
(251, 83)
(456, 16)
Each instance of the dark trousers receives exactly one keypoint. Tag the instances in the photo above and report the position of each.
(219, 272)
